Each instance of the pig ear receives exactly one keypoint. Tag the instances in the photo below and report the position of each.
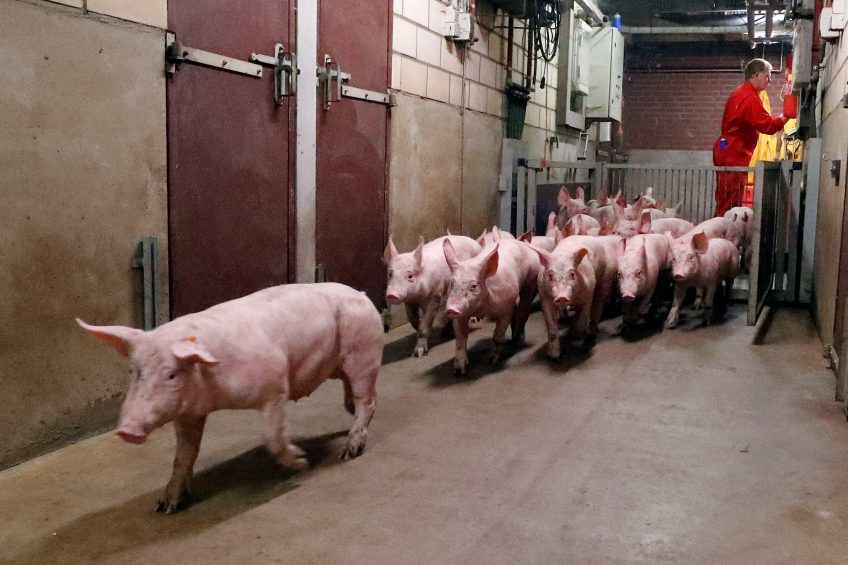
(482, 239)
(450, 254)
(733, 219)
(618, 206)
(120, 338)
(745, 217)
(580, 193)
(569, 228)
(563, 197)
(419, 251)
(579, 255)
(649, 191)
(603, 200)
(189, 349)
(645, 227)
(551, 222)
(496, 233)
(544, 256)
(527, 236)
(622, 245)
(700, 242)
(391, 251)
(449, 233)
(558, 236)
(638, 204)
(490, 263)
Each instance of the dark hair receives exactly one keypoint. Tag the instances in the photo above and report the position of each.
(755, 66)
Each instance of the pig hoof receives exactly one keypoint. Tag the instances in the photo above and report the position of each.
(459, 371)
(352, 451)
(171, 506)
(294, 458)
(419, 352)
(671, 324)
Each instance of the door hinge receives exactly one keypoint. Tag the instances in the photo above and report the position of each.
(334, 85)
(177, 53)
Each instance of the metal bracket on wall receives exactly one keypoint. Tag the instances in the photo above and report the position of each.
(145, 259)
(333, 86)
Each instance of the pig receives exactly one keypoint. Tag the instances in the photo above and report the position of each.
(569, 206)
(676, 226)
(566, 280)
(551, 229)
(545, 242)
(255, 352)
(632, 220)
(743, 218)
(419, 280)
(721, 227)
(601, 213)
(496, 234)
(703, 263)
(582, 224)
(499, 283)
(642, 259)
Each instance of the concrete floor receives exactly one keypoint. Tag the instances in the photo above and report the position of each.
(686, 446)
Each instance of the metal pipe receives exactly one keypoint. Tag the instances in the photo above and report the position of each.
(510, 35)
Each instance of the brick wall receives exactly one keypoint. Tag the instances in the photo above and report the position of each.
(671, 110)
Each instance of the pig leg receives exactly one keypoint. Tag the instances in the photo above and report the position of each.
(460, 360)
(364, 400)
(699, 298)
(709, 294)
(679, 294)
(189, 431)
(412, 314)
(551, 314)
(522, 313)
(499, 337)
(276, 439)
(424, 328)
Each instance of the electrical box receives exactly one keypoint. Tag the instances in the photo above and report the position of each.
(606, 75)
(802, 52)
(581, 53)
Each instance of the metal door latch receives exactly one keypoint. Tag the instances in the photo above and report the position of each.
(334, 85)
(283, 63)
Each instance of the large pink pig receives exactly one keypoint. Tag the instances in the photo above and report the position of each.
(255, 352)
(500, 284)
(566, 281)
(703, 263)
(676, 226)
(630, 220)
(643, 258)
(419, 280)
(743, 219)
(723, 228)
(569, 206)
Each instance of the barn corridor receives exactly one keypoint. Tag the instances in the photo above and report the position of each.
(686, 446)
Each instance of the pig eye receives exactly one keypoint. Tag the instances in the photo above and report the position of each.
(410, 277)
(572, 275)
(474, 285)
(172, 376)
(620, 274)
(551, 276)
(638, 273)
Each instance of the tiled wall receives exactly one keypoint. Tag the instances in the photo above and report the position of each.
(427, 64)
(150, 12)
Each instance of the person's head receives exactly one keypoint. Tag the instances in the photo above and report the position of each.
(758, 73)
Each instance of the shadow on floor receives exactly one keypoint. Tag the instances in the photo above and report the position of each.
(220, 493)
(402, 348)
(479, 366)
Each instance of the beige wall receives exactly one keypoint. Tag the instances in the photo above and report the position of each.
(82, 179)
(834, 133)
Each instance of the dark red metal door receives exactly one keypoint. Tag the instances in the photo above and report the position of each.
(229, 156)
(351, 147)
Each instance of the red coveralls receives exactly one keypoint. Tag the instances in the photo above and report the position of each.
(744, 119)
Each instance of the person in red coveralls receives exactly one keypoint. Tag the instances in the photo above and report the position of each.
(744, 119)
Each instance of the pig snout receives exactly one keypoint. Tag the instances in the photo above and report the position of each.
(393, 297)
(132, 433)
(562, 300)
(628, 296)
(678, 277)
(452, 311)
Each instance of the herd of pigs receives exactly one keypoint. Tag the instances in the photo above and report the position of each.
(281, 343)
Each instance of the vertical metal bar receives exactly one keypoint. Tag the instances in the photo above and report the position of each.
(793, 241)
(521, 191)
(754, 278)
(529, 217)
(780, 216)
(812, 164)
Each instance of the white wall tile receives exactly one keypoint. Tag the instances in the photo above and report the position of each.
(438, 85)
(437, 16)
(150, 12)
(396, 62)
(551, 97)
(404, 37)
(455, 90)
(494, 102)
(413, 77)
(472, 65)
(481, 46)
(397, 7)
(477, 97)
(417, 11)
(429, 47)
(450, 60)
(488, 72)
(496, 48)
